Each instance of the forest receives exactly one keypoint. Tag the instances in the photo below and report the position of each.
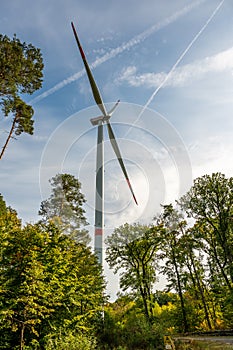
(52, 288)
(52, 292)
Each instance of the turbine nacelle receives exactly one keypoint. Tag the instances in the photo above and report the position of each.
(102, 118)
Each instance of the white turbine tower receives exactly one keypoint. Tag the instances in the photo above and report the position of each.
(99, 121)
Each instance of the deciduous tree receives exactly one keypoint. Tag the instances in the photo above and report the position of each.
(50, 285)
(172, 254)
(210, 203)
(132, 249)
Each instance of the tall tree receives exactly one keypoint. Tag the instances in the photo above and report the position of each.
(64, 207)
(132, 249)
(172, 254)
(196, 274)
(210, 203)
(21, 67)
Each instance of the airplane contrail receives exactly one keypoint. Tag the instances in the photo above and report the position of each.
(114, 52)
(179, 60)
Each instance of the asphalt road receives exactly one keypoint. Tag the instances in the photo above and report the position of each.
(222, 339)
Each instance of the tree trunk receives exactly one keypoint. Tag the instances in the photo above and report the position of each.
(222, 270)
(200, 287)
(22, 336)
(143, 295)
(185, 322)
(9, 136)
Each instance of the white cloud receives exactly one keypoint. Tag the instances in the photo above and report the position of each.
(181, 76)
(212, 154)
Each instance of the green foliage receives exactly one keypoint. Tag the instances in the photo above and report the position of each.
(24, 293)
(133, 248)
(210, 202)
(78, 283)
(227, 309)
(174, 257)
(125, 327)
(8, 222)
(48, 282)
(71, 341)
(64, 207)
(21, 67)
(51, 293)
(3, 208)
(210, 197)
(23, 115)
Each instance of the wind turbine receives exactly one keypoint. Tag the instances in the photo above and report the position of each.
(100, 121)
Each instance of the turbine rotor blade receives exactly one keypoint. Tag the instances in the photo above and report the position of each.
(119, 157)
(94, 87)
(113, 108)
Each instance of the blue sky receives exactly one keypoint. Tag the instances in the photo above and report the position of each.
(171, 65)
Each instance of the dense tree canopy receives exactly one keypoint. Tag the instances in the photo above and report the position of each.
(50, 285)
(21, 67)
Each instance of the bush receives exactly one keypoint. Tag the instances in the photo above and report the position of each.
(71, 341)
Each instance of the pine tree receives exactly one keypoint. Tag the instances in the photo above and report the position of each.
(21, 68)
